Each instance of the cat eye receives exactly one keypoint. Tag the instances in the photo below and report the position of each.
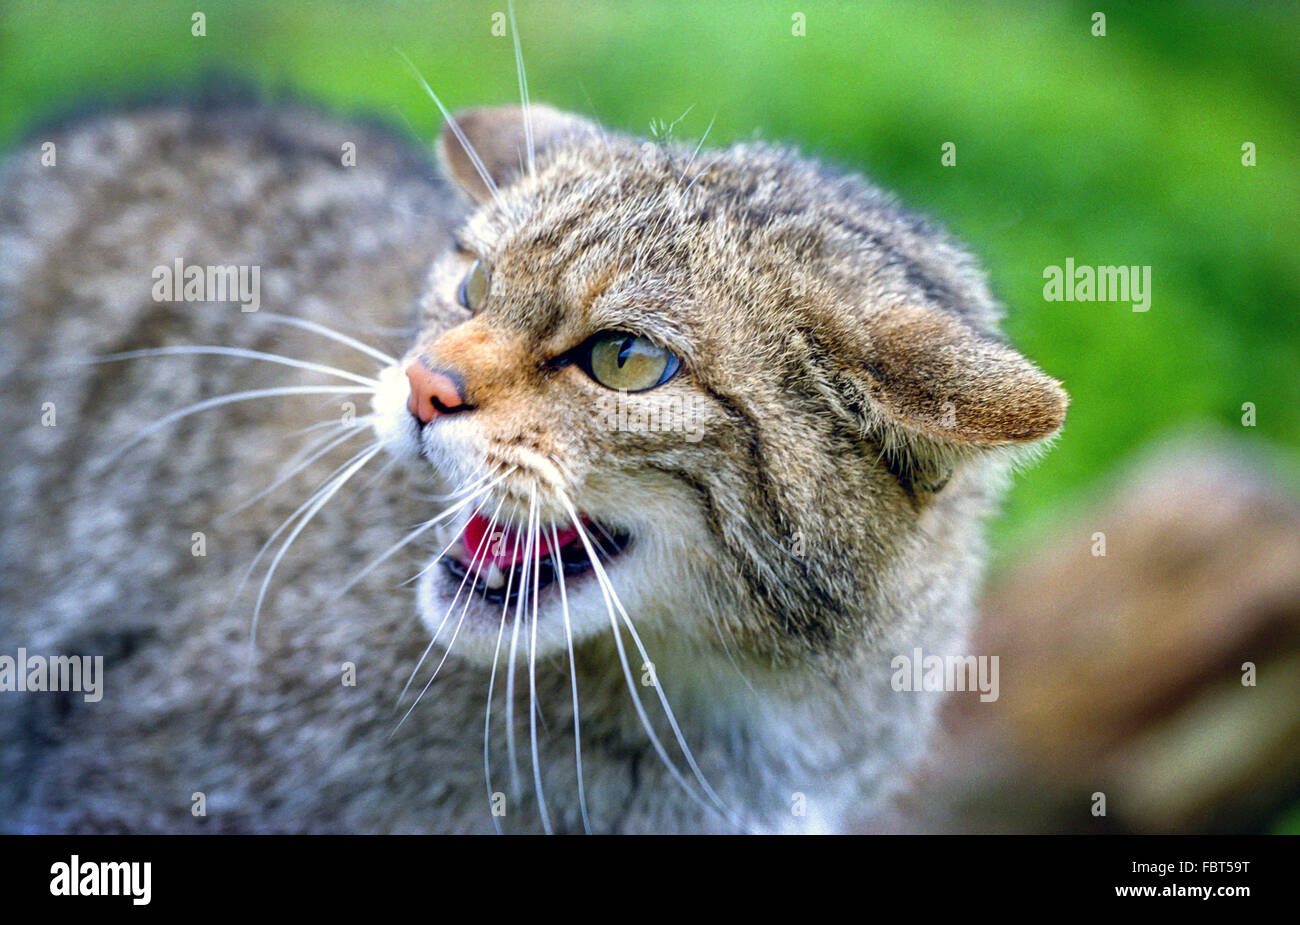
(627, 362)
(473, 288)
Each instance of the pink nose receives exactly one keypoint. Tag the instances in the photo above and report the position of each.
(432, 393)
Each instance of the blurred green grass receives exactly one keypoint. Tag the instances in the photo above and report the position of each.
(1117, 150)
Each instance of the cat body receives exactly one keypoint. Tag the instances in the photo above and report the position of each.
(857, 415)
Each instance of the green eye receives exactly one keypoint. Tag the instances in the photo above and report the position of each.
(473, 288)
(628, 362)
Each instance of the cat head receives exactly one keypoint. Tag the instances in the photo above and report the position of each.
(765, 399)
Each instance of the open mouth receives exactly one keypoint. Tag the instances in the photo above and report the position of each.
(496, 563)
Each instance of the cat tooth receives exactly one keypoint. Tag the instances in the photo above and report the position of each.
(495, 577)
(457, 550)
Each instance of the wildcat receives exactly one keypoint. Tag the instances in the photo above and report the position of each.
(680, 627)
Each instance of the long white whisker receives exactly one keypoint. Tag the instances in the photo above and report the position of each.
(668, 710)
(573, 676)
(568, 639)
(510, 676)
(612, 603)
(492, 681)
(220, 400)
(418, 531)
(331, 423)
(477, 569)
(288, 521)
(239, 352)
(332, 441)
(477, 572)
(483, 495)
(529, 145)
(466, 487)
(383, 471)
(636, 699)
(332, 334)
(601, 546)
(455, 130)
(532, 663)
(364, 457)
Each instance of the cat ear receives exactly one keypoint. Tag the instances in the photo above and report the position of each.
(938, 390)
(499, 136)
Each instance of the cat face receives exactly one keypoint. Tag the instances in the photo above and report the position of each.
(726, 397)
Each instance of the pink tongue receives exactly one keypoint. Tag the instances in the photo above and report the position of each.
(507, 546)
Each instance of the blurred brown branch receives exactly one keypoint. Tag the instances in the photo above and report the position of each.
(1123, 674)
